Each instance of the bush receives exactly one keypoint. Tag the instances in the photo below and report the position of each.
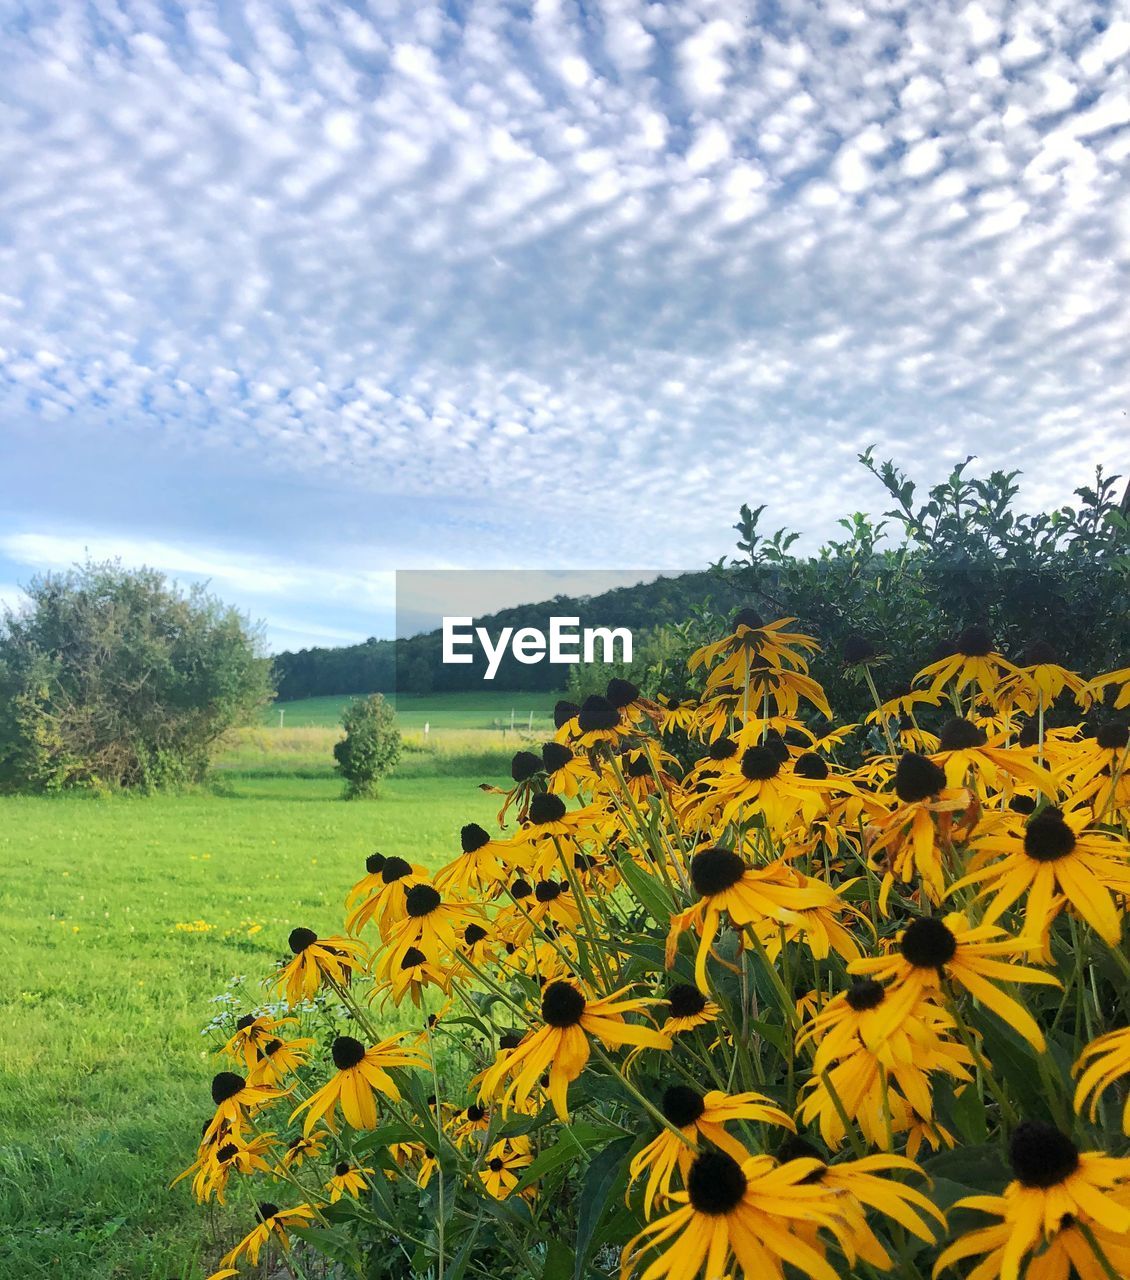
(111, 677)
(371, 746)
(775, 1006)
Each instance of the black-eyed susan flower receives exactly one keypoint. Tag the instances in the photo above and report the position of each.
(932, 949)
(478, 867)
(754, 1211)
(974, 661)
(746, 894)
(567, 771)
(278, 1059)
(348, 1180)
(964, 750)
(412, 977)
(317, 961)
(689, 1009)
(379, 895)
(273, 1223)
(236, 1098)
(1053, 854)
(502, 1165)
(1055, 1187)
(1038, 681)
(252, 1031)
(361, 1072)
(233, 1155)
(699, 1117)
(561, 1044)
(430, 925)
(310, 1146)
(598, 721)
(1105, 1060)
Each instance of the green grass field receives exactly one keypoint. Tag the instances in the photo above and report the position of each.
(488, 709)
(103, 1072)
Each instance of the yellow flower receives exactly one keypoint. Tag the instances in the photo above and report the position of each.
(1056, 1187)
(317, 960)
(361, 1071)
(562, 1045)
(1100, 1064)
(697, 1116)
(348, 1179)
(272, 1222)
(1054, 855)
(503, 1164)
(932, 949)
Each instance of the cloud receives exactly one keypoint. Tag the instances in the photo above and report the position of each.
(568, 284)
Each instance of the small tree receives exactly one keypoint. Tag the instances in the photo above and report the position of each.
(113, 677)
(371, 746)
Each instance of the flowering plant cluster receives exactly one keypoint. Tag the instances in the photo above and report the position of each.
(830, 1001)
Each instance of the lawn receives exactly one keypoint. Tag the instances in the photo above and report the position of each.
(485, 709)
(103, 1072)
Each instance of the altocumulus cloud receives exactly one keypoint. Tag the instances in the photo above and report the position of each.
(544, 264)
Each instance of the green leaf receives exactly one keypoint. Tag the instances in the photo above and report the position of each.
(609, 1167)
(558, 1262)
(647, 890)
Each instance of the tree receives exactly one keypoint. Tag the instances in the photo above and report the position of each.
(113, 677)
(371, 746)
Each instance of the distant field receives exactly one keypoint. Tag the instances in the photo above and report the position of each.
(489, 709)
(103, 1073)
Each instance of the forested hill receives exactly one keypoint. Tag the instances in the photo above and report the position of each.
(414, 665)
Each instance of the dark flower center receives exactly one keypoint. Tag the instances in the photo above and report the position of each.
(510, 1039)
(1029, 733)
(1023, 804)
(928, 943)
(245, 1022)
(421, 900)
(266, 1211)
(546, 808)
(475, 1113)
(1040, 654)
(1041, 1156)
(1112, 737)
(340, 1170)
(716, 1183)
(620, 692)
(975, 642)
(638, 766)
(960, 734)
(473, 837)
(682, 1105)
(271, 1048)
(347, 1052)
(524, 765)
(374, 862)
(496, 1165)
(810, 765)
(597, 713)
(563, 712)
(412, 958)
(562, 1004)
(777, 745)
(474, 933)
(685, 1001)
(395, 869)
(867, 994)
(858, 649)
(554, 756)
(716, 870)
(226, 1152)
(548, 890)
(760, 763)
(723, 749)
(300, 939)
(520, 888)
(225, 1085)
(1047, 838)
(747, 617)
(917, 778)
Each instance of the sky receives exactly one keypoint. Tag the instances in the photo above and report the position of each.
(296, 294)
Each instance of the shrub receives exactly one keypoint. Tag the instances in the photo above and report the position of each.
(771, 1014)
(111, 677)
(371, 746)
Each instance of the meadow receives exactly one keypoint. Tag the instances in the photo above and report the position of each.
(122, 917)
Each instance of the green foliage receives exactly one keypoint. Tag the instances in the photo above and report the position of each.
(112, 678)
(371, 746)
